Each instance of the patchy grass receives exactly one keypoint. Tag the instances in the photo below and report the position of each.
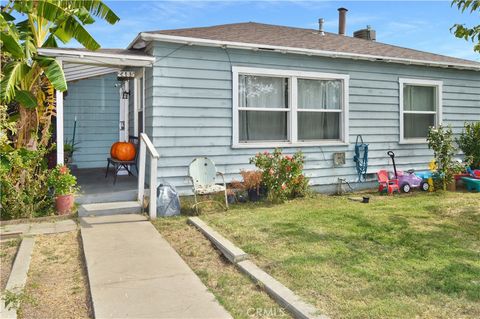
(57, 282)
(407, 256)
(8, 251)
(235, 291)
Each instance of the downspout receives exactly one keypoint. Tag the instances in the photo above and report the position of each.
(59, 122)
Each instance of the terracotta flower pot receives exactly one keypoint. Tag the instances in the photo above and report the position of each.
(452, 186)
(253, 195)
(64, 204)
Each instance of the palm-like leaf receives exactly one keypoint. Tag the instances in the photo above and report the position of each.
(54, 73)
(51, 42)
(99, 9)
(10, 44)
(14, 72)
(84, 16)
(74, 29)
(50, 11)
(26, 99)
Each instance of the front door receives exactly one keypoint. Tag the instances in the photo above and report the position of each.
(123, 115)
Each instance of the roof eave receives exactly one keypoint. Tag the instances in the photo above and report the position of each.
(311, 52)
(101, 58)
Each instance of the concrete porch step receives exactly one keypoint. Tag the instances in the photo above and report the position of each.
(113, 208)
(107, 197)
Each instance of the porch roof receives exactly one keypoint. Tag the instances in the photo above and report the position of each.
(81, 63)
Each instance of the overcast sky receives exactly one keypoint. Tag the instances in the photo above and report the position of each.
(422, 25)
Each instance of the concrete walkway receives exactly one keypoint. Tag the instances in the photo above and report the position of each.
(134, 273)
(29, 229)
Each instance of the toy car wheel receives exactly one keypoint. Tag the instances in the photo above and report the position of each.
(405, 188)
(425, 186)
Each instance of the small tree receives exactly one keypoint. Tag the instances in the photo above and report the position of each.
(440, 140)
(469, 143)
(461, 30)
(28, 80)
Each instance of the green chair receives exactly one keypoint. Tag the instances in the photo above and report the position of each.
(203, 175)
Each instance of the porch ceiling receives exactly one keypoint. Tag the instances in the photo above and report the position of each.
(82, 64)
(77, 71)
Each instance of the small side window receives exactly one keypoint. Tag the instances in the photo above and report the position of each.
(420, 109)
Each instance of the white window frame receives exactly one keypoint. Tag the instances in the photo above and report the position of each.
(438, 107)
(292, 131)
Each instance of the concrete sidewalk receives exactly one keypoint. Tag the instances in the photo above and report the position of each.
(29, 229)
(134, 273)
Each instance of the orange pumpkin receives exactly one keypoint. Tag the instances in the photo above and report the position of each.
(124, 151)
(113, 149)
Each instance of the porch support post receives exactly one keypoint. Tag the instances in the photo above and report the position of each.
(141, 173)
(153, 189)
(59, 122)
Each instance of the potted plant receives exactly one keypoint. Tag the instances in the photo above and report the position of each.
(231, 196)
(64, 187)
(68, 150)
(252, 180)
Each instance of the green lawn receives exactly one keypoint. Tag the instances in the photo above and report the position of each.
(404, 256)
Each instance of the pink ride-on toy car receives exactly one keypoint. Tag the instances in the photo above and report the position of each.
(408, 180)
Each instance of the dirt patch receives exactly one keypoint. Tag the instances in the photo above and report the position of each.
(57, 283)
(8, 251)
(237, 293)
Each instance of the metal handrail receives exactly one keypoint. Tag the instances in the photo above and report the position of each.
(146, 144)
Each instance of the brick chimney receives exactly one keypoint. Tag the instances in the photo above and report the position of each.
(366, 34)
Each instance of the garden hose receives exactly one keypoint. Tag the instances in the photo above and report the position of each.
(361, 158)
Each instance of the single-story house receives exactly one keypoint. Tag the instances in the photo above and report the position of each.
(229, 91)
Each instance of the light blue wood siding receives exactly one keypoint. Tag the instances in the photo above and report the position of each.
(191, 111)
(95, 102)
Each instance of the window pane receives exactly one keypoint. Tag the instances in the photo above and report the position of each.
(262, 91)
(263, 126)
(419, 98)
(416, 125)
(318, 125)
(319, 94)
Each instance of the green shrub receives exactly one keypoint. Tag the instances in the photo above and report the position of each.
(282, 175)
(469, 143)
(23, 183)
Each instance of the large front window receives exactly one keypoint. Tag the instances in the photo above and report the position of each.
(283, 108)
(420, 109)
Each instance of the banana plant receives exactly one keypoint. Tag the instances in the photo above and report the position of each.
(26, 75)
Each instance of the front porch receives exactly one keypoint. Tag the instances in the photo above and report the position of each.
(95, 188)
(104, 104)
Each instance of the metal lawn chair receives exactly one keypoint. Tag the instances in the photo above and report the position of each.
(203, 174)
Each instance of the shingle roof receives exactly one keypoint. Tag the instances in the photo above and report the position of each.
(274, 35)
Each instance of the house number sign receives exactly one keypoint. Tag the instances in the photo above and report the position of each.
(126, 74)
